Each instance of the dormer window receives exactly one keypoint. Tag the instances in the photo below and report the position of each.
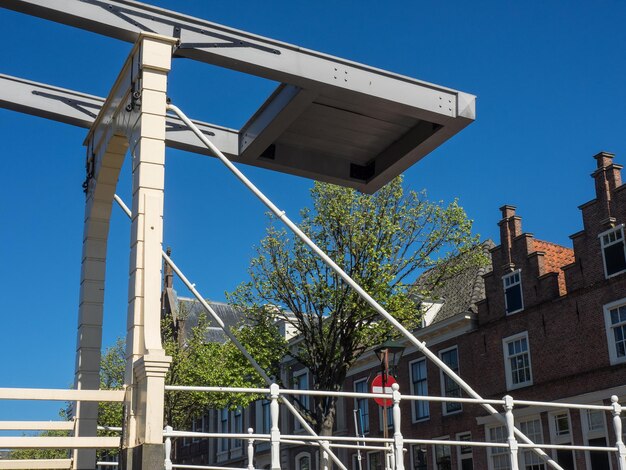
(613, 251)
(513, 292)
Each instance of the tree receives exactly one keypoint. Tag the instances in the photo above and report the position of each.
(200, 363)
(382, 241)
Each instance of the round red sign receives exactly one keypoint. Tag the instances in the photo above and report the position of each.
(378, 387)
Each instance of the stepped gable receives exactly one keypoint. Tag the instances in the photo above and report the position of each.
(555, 258)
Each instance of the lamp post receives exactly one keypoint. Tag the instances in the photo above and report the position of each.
(389, 354)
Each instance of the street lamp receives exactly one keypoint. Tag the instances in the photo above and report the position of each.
(389, 354)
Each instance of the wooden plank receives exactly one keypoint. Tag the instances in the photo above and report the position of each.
(36, 464)
(38, 442)
(61, 395)
(36, 425)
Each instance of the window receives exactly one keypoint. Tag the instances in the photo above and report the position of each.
(595, 420)
(197, 425)
(358, 461)
(362, 407)
(303, 461)
(301, 382)
(517, 361)
(418, 454)
(613, 251)
(375, 460)
(419, 386)
(529, 459)
(560, 434)
(594, 432)
(513, 300)
(266, 421)
(615, 322)
(237, 426)
(498, 456)
(442, 456)
(464, 453)
(381, 416)
(449, 387)
(223, 429)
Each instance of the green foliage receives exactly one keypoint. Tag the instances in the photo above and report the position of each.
(383, 241)
(209, 364)
(112, 371)
(30, 454)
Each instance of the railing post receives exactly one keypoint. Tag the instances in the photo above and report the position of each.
(250, 450)
(617, 425)
(398, 440)
(510, 426)
(275, 431)
(168, 449)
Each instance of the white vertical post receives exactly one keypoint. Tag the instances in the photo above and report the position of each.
(168, 449)
(617, 425)
(250, 450)
(275, 431)
(398, 440)
(324, 461)
(510, 427)
(147, 363)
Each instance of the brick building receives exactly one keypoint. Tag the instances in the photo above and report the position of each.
(544, 322)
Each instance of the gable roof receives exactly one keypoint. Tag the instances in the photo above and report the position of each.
(460, 292)
(193, 309)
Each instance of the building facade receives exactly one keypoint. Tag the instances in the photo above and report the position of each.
(544, 322)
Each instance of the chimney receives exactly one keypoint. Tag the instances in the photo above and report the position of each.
(510, 227)
(607, 177)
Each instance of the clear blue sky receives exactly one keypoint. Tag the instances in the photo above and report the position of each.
(549, 77)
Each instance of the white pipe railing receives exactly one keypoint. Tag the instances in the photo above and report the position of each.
(280, 214)
(394, 446)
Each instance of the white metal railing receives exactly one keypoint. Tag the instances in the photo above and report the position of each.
(393, 446)
(420, 345)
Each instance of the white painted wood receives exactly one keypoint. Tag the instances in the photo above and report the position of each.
(28, 442)
(61, 395)
(36, 464)
(36, 425)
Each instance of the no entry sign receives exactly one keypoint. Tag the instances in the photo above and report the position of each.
(377, 387)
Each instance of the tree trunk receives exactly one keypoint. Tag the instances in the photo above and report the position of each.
(326, 411)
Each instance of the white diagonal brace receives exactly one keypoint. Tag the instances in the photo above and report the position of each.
(421, 346)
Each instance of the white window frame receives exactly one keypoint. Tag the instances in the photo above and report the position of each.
(491, 451)
(223, 444)
(304, 399)
(434, 450)
(507, 363)
(460, 456)
(366, 417)
(300, 456)
(589, 434)
(619, 228)
(613, 357)
(237, 426)
(381, 411)
(415, 404)
(505, 278)
(560, 439)
(442, 379)
(523, 453)
(368, 461)
(415, 448)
